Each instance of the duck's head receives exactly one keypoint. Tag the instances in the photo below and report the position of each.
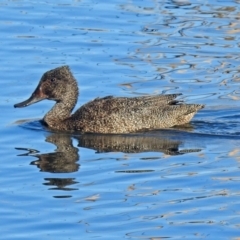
(57, 84)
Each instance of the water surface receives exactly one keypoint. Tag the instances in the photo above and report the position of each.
(175, 183)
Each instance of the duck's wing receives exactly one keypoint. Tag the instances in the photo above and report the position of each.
(109, 104)
(168, 99)
(158, 116)
(132, 114)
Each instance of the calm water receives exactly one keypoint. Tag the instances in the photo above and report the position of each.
(178, 183)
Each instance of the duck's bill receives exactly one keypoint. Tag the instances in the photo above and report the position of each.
(28, 102)
(36, 97)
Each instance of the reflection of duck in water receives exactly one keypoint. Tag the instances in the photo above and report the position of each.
(63, 160)
(132, 144)
(108, 114)
(65, 157)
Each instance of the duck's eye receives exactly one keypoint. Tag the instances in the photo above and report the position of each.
(53, 79)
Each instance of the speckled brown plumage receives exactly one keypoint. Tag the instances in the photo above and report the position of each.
(109, 114)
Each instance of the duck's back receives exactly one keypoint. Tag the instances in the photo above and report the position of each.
(123, 115)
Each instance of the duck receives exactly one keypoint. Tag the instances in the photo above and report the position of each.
(108, 114)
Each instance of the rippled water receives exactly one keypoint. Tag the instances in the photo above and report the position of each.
(175, 183)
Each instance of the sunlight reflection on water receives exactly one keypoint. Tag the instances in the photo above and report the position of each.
(176, 183)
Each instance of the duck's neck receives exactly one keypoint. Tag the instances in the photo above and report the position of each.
(61, 110)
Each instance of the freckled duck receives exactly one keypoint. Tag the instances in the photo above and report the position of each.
(108, 114)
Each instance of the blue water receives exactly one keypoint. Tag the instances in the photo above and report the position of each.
(174, 183)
